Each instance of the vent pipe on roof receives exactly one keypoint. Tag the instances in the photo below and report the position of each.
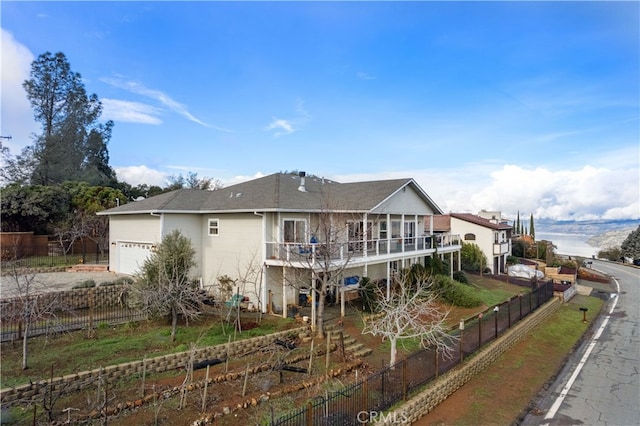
(302, 188)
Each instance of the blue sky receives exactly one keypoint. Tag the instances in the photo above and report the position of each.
(511, 106)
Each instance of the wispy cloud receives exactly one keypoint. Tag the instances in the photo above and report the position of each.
(287, 126)
(157, 95)
(132, 112)
(281, 127)
(301, 110)
(364, 76)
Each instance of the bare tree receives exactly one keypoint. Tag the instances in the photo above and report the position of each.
(29, 305)
(323, 260)
(164, 285)
(411, 312)
(250, 279)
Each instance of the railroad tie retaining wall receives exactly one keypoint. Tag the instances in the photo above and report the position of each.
(443, 387)
(111, 374)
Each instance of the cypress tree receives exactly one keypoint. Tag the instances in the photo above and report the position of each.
(532, 232)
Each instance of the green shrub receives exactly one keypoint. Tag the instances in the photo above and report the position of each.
(455, 293)
(461, 277)
(85, 284)
(512, 260)
(124, 281)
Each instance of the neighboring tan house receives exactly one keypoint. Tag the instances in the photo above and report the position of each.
(267, 236)
(486, 230)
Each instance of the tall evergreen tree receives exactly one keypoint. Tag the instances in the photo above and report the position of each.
(532, 231)
(73, 142)
(518, 225)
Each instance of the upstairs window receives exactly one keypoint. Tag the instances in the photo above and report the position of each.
(470, 237)
(295, 230)
(382, 230)
(214, 227)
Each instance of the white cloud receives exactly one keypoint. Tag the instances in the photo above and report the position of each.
(138, 175)
(133, 112)
(586, 193)
(163, 98)
(16, 119)
(282, 127)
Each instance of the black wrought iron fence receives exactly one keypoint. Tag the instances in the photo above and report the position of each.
(361, 402)
(50, 255)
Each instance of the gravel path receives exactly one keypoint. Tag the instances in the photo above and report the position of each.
(56, 281)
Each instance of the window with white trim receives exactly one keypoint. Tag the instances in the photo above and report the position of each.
(214, 227)
(382, 230)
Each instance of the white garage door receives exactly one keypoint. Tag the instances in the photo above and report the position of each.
(131, 256)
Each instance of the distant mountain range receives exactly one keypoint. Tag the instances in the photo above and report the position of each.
(597, 233)
(592, 227)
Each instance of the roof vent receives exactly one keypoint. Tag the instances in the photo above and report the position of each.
(302, 188)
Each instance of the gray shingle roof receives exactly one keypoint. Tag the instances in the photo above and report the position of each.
(275, 192)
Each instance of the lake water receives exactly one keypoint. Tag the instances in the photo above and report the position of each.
(569, 244)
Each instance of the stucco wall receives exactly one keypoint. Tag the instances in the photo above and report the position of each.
(484, 237)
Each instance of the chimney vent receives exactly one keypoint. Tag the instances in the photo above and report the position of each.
(302, 188)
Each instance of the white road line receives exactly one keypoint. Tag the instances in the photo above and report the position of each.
(556, 405)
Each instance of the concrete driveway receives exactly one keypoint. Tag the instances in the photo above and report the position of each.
(53, 281)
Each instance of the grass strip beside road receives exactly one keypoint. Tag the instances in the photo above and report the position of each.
(499, 394)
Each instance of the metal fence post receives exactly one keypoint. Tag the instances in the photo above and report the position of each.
(365, 395)
(404, 379)
(309, 414)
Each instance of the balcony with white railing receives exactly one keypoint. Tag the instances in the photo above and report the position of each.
(312, 253)
(502, 248)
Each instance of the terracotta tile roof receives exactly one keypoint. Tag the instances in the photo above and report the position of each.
(477, 220)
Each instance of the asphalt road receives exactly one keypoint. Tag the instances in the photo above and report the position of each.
(600, 384)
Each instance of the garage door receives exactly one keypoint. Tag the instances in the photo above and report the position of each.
(131, 256)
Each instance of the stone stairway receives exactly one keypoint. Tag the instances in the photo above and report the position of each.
(351, 346)
(88, 267)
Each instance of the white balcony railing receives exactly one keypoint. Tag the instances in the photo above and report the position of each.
(501, 248)
(318, 252)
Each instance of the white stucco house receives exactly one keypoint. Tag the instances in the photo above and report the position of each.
(487, 230)
(270, 234)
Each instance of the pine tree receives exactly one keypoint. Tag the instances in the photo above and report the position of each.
(73, 142)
